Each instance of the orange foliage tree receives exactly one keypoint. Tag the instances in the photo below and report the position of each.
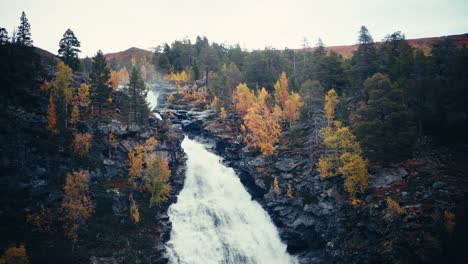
(114, 80)
(82, 144)
(123, 76)
(276, 185)
(143, 71)
(243, 99)
(75, 116)
(134, 212)
(262, 125)
(290, 192)
(344, 154)
(112, 140)
(14, 255)
(83, 95)
(52, 116)
(393, 208)
(150, 145)
(449, 219)
(293, 104)
(76, 203)
(42, 219)
(62, 92)
(282, 91)
(331, 101)
(157, 179)
(178, 77)
(135, 164)
(215, 103)
(223, 113)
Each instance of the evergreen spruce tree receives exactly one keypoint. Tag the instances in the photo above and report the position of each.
(319, 51)
(383, 126)
(396, 57)
(3, 36)
(68, 50)
(364, 61)
(135, 106)
(23, 35)
(99, 76)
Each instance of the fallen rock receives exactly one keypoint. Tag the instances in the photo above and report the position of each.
(286, 164)
(386, 177)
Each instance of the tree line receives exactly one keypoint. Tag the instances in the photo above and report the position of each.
(391, 92)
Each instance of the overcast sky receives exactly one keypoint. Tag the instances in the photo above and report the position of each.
(115, 25)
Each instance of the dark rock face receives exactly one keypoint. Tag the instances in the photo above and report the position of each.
(34, 164)
(318, 224)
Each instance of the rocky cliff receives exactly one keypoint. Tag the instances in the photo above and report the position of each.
(318, 223)
(34, 163)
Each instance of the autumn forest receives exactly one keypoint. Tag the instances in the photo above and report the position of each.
(344, 157)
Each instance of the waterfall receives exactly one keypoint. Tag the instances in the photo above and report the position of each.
(152, 99)
(216, 221)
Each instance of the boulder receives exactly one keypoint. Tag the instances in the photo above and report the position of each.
(119, 202)
(386, 177)
(438, 185)
(286, 164)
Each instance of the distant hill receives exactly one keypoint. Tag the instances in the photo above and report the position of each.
(124, 58)
(421, 43)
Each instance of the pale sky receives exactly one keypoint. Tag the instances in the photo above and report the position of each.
(115, 25)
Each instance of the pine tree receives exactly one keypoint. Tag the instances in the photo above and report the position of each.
(3, 36)
(330, 72)
(319, 51)
(364, 60)
(23, 35)
(68, 50)
(383, 126)
(136, 108)
(396, 58)
(99, 80)
(312, 95)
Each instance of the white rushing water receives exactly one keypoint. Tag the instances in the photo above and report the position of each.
(152, 99)
(216, 221)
